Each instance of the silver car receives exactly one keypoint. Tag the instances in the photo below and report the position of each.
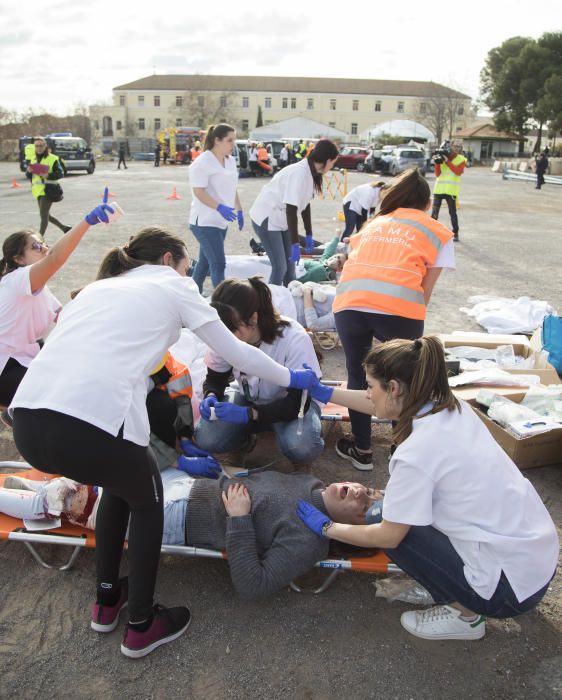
(404, 158)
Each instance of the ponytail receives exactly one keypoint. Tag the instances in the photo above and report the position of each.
(409, 190)
(12, 248)
(214, 132)
(419, 367)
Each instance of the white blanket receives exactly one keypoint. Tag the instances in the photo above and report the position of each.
(501, 315)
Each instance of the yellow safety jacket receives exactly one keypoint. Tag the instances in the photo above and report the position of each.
(53, 176)
(448, 182)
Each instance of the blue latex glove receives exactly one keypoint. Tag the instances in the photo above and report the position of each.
(240, 215)
(232, 413)
(100, 212)
(308, 244)
(227, 213)
(199, 466)
(313, 518)
(191, 450)
(302, 378)
(321, 392)
(295, 253)
(205, 406)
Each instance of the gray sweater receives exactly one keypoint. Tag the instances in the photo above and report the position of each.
(268, 548)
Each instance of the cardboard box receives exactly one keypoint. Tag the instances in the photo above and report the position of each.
(470, 391)
(535, 451)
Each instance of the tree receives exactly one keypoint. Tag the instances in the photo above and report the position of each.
(439, 113)
(259, 120)
(204, 109)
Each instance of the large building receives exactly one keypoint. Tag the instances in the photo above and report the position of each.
(144, 107)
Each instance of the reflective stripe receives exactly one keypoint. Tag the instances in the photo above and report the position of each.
(387, 288)
(433, 239)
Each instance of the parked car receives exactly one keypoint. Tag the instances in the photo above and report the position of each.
(73, 150)
(404, 158)
(352, 158)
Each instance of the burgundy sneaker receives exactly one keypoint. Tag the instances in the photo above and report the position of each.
(167, 624)
(105, 618)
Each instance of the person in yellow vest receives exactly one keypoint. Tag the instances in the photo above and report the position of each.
(448, 170)
(300, 151)
(385, 286)
(46, 169)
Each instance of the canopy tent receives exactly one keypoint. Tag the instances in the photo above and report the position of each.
(296, 128)
(404, 128)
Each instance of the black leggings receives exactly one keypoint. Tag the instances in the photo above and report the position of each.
(60, 444)
(10, 379)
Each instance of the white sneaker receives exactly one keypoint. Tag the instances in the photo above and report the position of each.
(442, 622)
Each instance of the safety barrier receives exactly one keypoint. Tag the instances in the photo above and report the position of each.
(335, 182)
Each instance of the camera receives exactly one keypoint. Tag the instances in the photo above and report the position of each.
(442, 153)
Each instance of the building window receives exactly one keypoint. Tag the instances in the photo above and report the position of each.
(460, 110)
(97, 125)
(179, 101)
(200, 101)
(400, 107)
(107, 126)
(268, 102)
(423, 108)
(223, 101)
(118, 125)
(141, 124)
(293, 102)
(157, 124)
(121, 100)
(355, 105)
(332, 125)
(179, 122)
(140, 100)
(354, 129)
(310, 103)
(378, 106)
(285, 103)
(157, 100)
(245, 102)
(245, 124)
(332, 104)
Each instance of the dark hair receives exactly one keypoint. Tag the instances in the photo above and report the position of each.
(12, 248)
(218, 131)
(409, 190)
(419, 366)
(248, 297)
(145, 248)
(324, 151)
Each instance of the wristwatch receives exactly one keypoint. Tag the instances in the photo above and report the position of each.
(326, 527)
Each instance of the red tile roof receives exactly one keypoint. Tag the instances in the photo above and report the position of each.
(486, 131)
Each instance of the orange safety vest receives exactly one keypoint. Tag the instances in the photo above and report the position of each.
(179, 383)
(195, 154)
(263, 154)
(387, 264)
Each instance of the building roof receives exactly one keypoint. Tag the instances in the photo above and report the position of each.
(405, 128)
(297, 127)
(486, 131)
(252, 83)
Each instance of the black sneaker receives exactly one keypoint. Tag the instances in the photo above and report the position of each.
(363, 461)
(167, 624)
(256, 247)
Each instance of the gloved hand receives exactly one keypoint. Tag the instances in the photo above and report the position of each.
(240, 215)
(232, 413)
(199, 466)
(191, 450)
(313, 518)
(308, 244)
(295, 253)
(227, 213)
(302, 378)
(321, 392)
(205, 406)
(99, 214)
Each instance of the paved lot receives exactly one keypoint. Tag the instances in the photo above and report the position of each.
(344, 642)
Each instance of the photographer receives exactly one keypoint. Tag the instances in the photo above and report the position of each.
(449, 166)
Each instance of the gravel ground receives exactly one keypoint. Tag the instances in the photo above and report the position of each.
(343, 642)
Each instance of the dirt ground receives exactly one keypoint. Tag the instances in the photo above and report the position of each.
(343, 642)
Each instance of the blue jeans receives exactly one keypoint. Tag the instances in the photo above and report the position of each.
(218, 436)
(211, 254)
(427, 555)
(353, 220)
(277, 245)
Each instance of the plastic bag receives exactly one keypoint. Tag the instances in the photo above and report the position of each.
(402, 588)
(552, 340)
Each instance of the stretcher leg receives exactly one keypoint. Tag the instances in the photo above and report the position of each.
(315, 591)
(65, 567)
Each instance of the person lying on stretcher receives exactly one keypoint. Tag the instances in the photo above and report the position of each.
(252, 518)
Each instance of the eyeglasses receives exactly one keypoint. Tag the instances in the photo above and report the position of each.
(39, 246)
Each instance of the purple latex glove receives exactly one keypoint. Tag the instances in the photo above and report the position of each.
(240, 216)
(295, 253)
(191, 450)
(232, 413)
(99, 214)
(308, 244)
(227, 213)
(199, 466)
(313, 518)
(205, 406)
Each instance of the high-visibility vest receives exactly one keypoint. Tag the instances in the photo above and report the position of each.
(448, 182)
(174, 378)
(38, 181)
(263, 154)
(388, 262)
(301, 151)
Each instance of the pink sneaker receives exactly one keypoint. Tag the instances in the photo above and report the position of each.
(105, 618)
(167, 624)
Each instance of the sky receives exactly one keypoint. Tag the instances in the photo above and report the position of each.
(66, 53)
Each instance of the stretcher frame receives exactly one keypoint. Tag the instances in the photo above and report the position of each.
(79, 538)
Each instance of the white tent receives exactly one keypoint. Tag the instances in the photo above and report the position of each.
(296, 128)
(405, 128)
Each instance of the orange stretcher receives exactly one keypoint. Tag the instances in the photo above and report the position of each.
(79, 538)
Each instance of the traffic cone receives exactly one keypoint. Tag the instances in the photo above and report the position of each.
(15, 185)
(109, 194)
(174, 194)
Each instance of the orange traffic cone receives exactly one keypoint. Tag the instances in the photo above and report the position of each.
(15, 185)
(109, 194)
(174, 194)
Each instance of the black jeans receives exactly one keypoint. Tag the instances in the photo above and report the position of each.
(45, 216)
(452, 204)
(121, 160)
(56, 443)
(10, 379)
(357, 330)
(353, 220)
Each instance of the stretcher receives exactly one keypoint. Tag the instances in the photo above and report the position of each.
(79, 538)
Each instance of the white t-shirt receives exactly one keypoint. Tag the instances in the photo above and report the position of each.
(292, 349)
(24, 317)
(220, 183)
(362, 197)
(292, 185)
(95, 364)
(451, 474)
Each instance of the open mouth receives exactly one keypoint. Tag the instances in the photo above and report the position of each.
(344, 491)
